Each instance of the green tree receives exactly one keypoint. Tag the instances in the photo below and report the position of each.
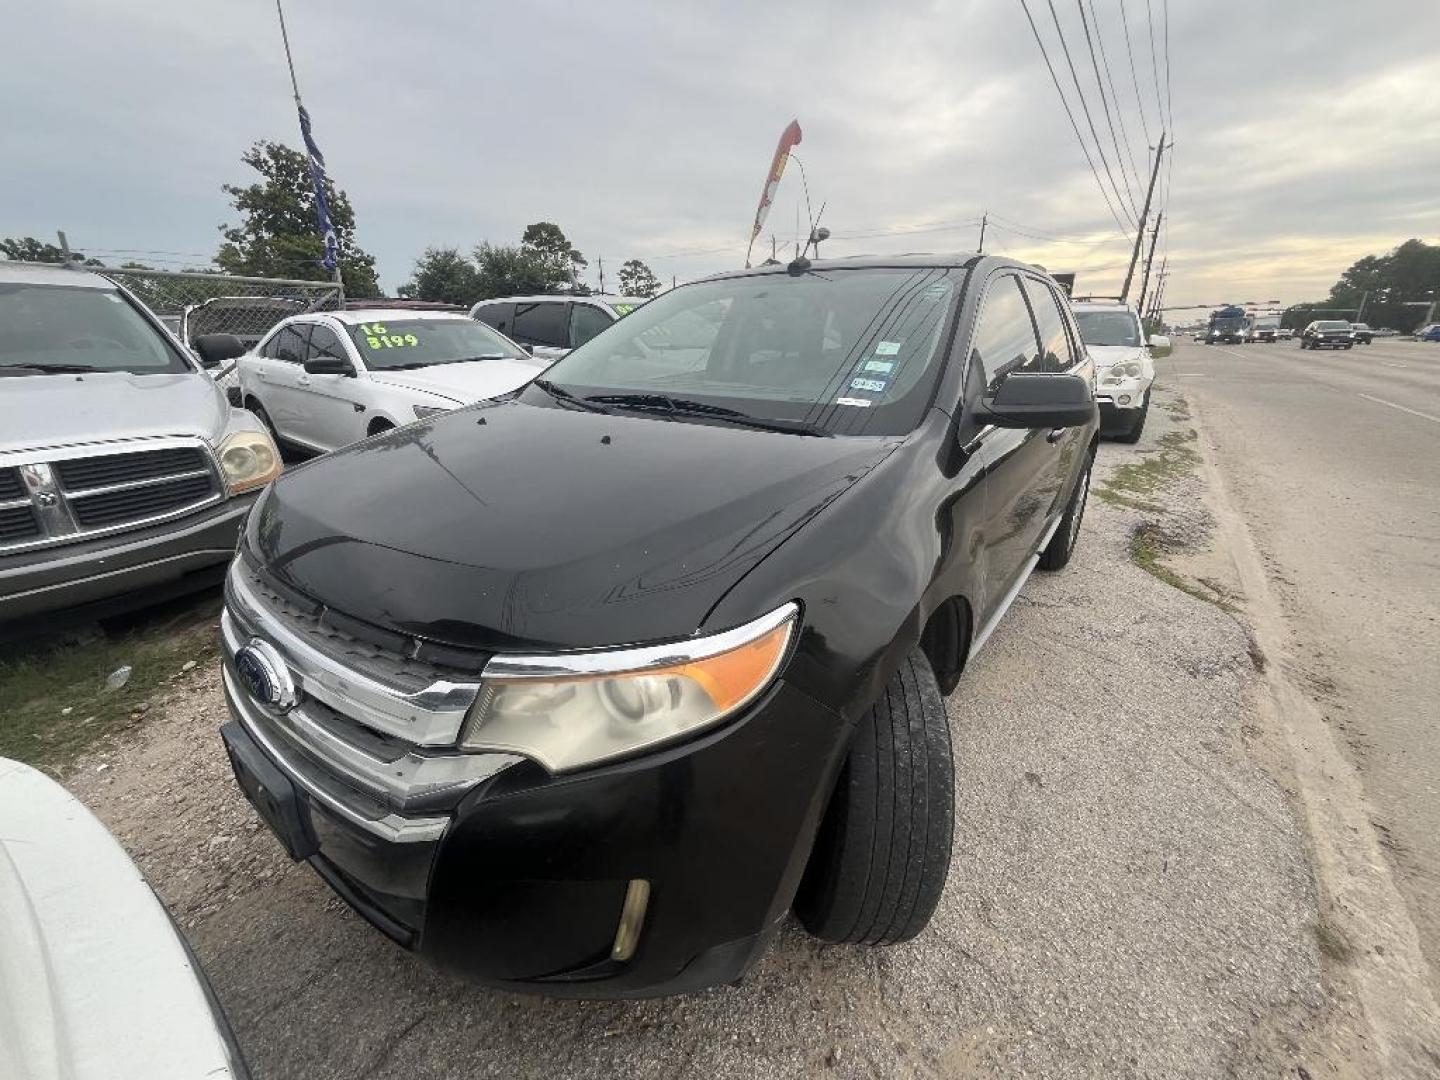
(445, 275)
(637, 279)
(511, 271)
(545, 241)
(1395, 289)
(28, 249)
(277, 235)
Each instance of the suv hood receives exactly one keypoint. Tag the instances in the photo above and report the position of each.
(515, 525)
(58, 410)
(464, 383)
(1105, 355)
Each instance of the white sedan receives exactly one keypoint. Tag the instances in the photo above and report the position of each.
(326, 380)
(1124, 364)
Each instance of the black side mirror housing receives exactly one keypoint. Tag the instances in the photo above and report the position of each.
(215, 349)
(1023, 400)
(329, 365)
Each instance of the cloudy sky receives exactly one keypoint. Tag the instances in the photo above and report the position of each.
(1307, 134)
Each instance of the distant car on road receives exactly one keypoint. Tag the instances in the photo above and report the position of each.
(550, 326)
(1327, 334)
(1362, 333)
(323, 381)
(96, 983)
(1428, 333)
(1385, 331)
(1285, 333)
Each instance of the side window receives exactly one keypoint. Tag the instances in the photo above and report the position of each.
(271, 346)
(586, 321)
(290, 344)
(499, 316)
(542, 322)
(324, 342)
(1004, 337)
(1056, 355)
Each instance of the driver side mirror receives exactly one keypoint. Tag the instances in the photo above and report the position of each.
(1160, 345)
(215, 349)
(329, 365)
(1024, 400)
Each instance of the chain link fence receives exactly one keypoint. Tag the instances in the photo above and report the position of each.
(192, 303)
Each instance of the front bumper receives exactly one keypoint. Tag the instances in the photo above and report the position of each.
(523, 882)
(127, 569)
(1117, 418)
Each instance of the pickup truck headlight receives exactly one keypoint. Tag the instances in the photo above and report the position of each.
(422, 412)
(569, 710)
(248, 459)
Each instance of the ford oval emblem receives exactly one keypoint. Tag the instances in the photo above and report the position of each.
(265, 675)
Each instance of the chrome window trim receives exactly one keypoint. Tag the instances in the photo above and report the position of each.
(429, 717)
(56, 534)
(643, 658)
(399, 780)
(393, 828)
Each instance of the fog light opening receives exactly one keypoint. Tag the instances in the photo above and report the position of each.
(632, 918)
(1124, 399)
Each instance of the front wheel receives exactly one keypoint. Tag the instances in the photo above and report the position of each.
(883, 851)
(1138, 427)
(1062, 545)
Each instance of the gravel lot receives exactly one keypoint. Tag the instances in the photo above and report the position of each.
(1130, 894)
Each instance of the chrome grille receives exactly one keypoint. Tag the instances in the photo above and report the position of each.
(69, 494)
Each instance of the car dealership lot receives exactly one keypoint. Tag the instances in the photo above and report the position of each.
(1129, 895)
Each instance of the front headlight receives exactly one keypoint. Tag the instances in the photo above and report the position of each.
(569, 710)
(248, 459)
(424, 411)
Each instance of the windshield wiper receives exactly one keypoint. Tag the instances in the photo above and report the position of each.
(699, 410)
(568, 398)
(53, 369)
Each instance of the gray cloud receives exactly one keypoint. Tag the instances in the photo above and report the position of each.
(1305, 136)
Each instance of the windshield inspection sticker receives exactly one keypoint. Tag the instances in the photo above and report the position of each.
(882, 367)
(859, 403)
(888, 348)
(875, 386)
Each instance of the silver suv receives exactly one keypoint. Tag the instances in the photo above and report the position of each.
(124, 473)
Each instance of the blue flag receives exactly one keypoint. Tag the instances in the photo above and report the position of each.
(317, 177)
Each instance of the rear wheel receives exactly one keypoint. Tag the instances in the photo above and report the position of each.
(1062, 545)
(883, 851)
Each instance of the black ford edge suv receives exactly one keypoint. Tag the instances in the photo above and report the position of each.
(580, 690)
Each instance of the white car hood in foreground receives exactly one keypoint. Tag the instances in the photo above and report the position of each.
(95, 984)
(464, 383)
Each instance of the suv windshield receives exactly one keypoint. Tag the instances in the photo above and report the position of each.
(63, 329)
(844, 351)
(1108, 328)
(414, 343)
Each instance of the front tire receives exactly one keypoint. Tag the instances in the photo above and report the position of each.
(880, 860)
(1062, 545)
(1138, 427)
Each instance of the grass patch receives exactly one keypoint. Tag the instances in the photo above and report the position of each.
(53, 699)
(1134, 483)
(1148, 546)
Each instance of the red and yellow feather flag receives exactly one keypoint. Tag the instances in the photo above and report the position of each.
(789, 138)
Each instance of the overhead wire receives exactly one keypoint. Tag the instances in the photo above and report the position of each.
(1069, 113)
(1134, 76)
(1114, 94)
(1085, 107)
(1105, 104)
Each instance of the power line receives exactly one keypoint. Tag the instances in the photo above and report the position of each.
(1085, 106)
(1021, 229)
(1114, 94)
(1134, 78)
(1154, 64)
(1073, 125)
(1105, 102)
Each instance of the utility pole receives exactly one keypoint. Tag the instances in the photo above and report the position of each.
(601, 260)
(1360, 315)
(1155, 309)
(64, 248)
(984, 217)
(1149, 259)
(1144, 216)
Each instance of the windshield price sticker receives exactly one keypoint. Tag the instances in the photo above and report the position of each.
(881, 367)
(623, 309)
(887, 348)
(377, 338)
(875, 386)
(859, 403)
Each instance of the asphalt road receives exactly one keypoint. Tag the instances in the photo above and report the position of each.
(1130, 895)
(1333, 458)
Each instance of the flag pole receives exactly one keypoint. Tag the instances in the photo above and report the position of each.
(295, 87)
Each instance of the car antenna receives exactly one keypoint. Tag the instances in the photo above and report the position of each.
(800, 264)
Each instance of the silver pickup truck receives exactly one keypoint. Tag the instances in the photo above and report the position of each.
(125, 475)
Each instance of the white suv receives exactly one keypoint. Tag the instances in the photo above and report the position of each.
(1124, 368)
(323, 381)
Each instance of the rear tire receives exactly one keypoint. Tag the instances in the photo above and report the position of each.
(1062, 545)
(882, 854)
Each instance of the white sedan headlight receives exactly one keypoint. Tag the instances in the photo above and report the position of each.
(569, 710)
(248, 459)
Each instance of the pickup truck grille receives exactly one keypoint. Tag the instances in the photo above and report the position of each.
(73, 498)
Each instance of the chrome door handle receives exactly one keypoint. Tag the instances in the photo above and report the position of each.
(1056, 434)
